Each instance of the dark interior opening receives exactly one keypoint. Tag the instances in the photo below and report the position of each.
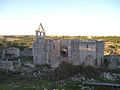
(87, 46)
(64, 52)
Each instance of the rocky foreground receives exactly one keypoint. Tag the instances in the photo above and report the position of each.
(66, 75)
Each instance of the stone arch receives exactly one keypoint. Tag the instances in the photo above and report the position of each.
(40, 33)
(89, 60)
(64, 51)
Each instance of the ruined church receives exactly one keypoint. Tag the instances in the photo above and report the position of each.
(55, 51)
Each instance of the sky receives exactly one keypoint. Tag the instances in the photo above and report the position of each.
(60, 17)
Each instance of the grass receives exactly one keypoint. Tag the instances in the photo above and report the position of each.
(25, 85)
(9, 81)
(39, 85)
(45, 85)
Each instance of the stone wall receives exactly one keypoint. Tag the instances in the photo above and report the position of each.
(39, 51)
(87, 52)
(9, 65)
(53, 52)
(74, 50)
(99, 52)
(26, 52)
(11, 52)
(55, 55)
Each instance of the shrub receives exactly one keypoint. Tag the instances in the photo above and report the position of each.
(64, 71)
(106, 62)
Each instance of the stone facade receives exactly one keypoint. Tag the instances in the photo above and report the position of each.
(26, 52)
(10, 65)
(53, 52)
(10, 52)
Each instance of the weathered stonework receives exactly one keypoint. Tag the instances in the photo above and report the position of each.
(26, 52)
(10, 52)
(53, 52)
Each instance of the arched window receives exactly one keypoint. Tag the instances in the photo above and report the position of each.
(64, 52)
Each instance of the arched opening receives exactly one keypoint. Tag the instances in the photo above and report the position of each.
(39, 34)
(64, 52)
(42, 34)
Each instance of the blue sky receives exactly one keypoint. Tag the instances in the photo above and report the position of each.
(60, 17)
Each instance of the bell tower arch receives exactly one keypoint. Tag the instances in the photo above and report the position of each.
(40, 33)
(39, 46)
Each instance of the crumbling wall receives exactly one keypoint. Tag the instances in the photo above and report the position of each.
(11, 52)
(26, 52)
(39, 52)
(99, 52)
(87, 52)
(49, 51)
(64, 50)
(74, 51)
(54, 53)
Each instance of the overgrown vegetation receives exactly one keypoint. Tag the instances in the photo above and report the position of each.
(25, 59)
(27, 40)
(15, 81)
(106, 62)
(58, 78)
(20, 42)
(66, 70)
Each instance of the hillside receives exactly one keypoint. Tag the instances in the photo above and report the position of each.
(112, 43)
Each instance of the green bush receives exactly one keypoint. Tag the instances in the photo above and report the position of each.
(26, 59)
(64, 71)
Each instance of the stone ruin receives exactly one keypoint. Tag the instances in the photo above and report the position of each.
(55, 51)
(9, 59)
